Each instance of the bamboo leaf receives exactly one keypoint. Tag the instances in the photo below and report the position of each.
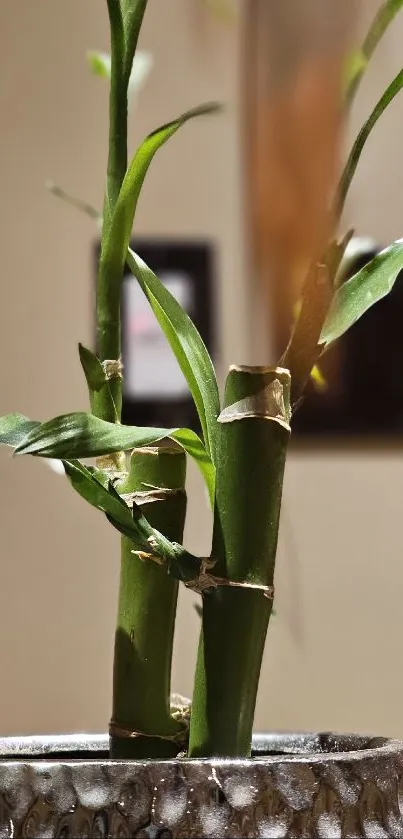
(132, 16)
(94, 372)
(14, 428)
(93, 485)
(100, 64)
(354, 69)
(363, 290)
(83, 435)
(98, 384)
(117, 241)
(188, 347)
(381, 22)
(355, 154)
(383, 18)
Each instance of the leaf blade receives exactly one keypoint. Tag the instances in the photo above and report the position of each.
(83, 435)
(14, 428)
(188, 347)
(362, 291)
(99, 63)
(80, 435)
(354, 70)
(132, 16)
(351, 166)
(117, 240)
(91, 485)
(98, 385)
(384, 16)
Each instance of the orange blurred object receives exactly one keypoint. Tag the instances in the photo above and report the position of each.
(299, 49)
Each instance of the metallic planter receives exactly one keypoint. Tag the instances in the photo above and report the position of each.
(295, 786)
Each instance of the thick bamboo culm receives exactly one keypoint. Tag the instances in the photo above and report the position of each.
(146, 614)
(254, 432)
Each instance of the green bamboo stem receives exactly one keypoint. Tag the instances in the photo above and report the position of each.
(133, 14)
(253, 443)
(125, 24)
(109, 285)
(146, 612)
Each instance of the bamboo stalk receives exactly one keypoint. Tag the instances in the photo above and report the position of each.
(108, 288)
(146, 613)
(124, 35)
(253, 443)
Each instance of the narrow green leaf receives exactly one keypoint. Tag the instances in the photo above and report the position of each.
(118, 238)
(188, 347)
(355, 154)
(133, 182)
(92, 485)
(99, 64)
(14, 428)
(132, 14)
(98, 384)
(381, 22)
(383, 18)
(192, 444)
(117, 227)
(354, 69)
(83, 435)
(363, 290)
(94, 372)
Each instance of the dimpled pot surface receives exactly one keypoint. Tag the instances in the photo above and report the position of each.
(294, 786)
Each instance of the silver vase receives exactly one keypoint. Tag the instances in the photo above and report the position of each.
(294, 786)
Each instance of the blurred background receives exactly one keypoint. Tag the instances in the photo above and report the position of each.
(335, 645)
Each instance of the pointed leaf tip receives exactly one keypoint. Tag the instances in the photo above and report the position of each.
(363, 290)
(188, 347)
(14, 428)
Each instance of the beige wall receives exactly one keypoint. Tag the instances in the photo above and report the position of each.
(333, 657)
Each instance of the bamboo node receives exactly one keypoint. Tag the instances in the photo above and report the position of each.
(268, 404)
(150, 496)
(206, 581)
(113, 368)
(120, 732)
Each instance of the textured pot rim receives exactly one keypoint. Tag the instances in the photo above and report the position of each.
(303, 748)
